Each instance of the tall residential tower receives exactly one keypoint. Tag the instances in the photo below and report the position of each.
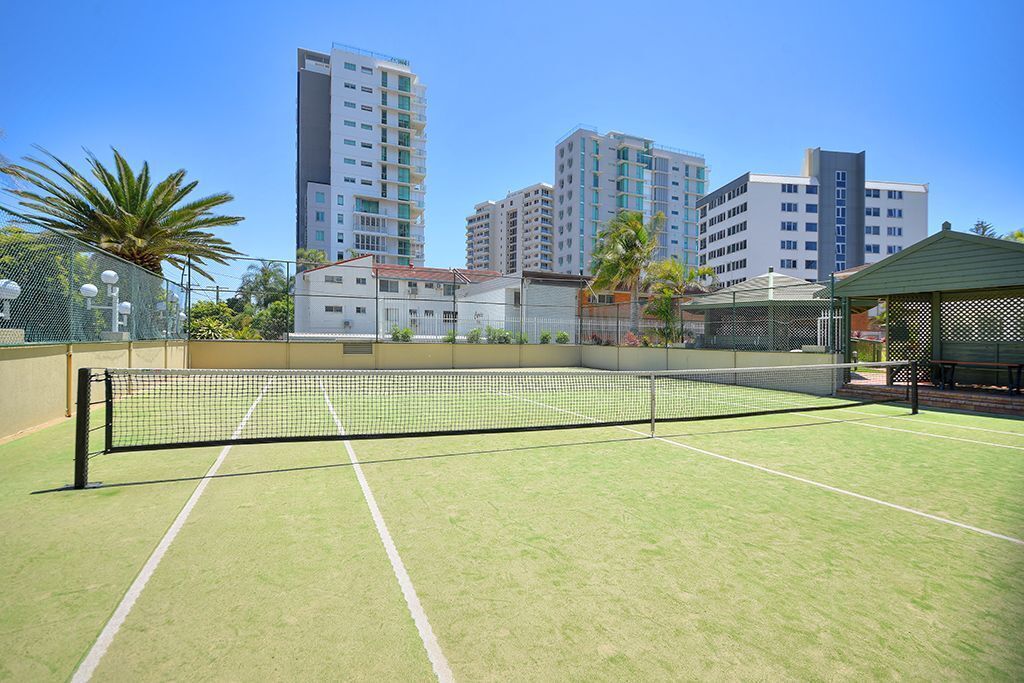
(512, 234)
(361, 156)
(597, 176)
(828, 219)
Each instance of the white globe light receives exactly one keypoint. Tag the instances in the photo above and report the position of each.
(88, 291)
(174, 298)
(9, 289)
(124, 308)
(182, 317)
(109, 277)
(161, 306)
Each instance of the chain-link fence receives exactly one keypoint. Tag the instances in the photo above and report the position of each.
(57, 289)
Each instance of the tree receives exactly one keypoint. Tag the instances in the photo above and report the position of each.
(263, 283)
(1015, 236)
(309, 258)
(983, 229)
(276, 320)
(666, 281)
(624, 251)
(125, 213)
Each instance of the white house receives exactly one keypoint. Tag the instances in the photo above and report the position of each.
(358, 298)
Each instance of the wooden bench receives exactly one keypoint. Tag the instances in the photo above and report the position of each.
(947, 372)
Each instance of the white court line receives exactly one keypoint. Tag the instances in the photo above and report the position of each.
(412, 600)
(92, 659)
(912, 431)
(933, 422)
(803, 480)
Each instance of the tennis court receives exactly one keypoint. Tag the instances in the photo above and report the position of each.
(858, 541)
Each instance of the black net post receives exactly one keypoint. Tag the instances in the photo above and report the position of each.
(913, 388)
(82, 428)
(653, 413)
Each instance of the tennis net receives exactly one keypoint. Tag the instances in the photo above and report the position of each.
(147, 409)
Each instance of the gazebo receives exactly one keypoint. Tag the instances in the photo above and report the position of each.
(954, 302)
(770, 312)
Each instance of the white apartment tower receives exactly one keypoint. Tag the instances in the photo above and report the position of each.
(827, 219)
(597, 176)
(512, 234)
(361, 156)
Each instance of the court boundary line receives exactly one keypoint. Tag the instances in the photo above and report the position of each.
(438, 661)
(911, 431)
(87, 667)
(827, 487)
(938, 424)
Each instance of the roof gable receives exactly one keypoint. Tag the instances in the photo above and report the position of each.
(946, 261)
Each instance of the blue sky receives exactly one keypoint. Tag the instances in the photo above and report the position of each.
(931, 90)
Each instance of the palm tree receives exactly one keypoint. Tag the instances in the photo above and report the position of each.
(983, 229)
(263, 283)
(125, 213)
(666, 281)
(1015, 236)
(309, 258)
(624, 251)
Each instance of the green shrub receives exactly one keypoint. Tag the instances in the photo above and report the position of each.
(562, 338)
(496, 335)
(473, 336)
(449, 337)
(545, 337)
(401, 334)
(522, 338)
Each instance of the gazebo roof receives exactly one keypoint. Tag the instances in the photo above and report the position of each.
(945, 262)
(757, 291)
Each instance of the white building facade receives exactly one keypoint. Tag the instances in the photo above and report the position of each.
(361, 156)
(808, 226)
(514, 233)
(597, 176)
(360, 299)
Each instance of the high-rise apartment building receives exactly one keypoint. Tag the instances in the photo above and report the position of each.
(597, 176)
(512, 234)
(808, 226)
(361, 156)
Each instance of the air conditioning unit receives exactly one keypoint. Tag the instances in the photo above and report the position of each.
(347, 324)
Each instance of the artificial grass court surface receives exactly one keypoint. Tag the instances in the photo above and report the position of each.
(590, 553)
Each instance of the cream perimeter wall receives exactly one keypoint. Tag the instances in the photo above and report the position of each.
(38, 383)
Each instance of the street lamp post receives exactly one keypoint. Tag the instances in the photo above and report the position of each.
(119, 310)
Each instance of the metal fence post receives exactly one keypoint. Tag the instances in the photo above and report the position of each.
(376, 306)
(653, 413)
(913, 388)
(82, 428)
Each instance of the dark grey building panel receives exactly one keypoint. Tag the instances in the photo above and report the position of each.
(313, 138)
(823, 165)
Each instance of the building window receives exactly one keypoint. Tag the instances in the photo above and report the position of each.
(894, 213)
(388, 286)
(812, 208)
(319, 235)
(450, 316)
(894, 231)
(790, 188)
(788, 263)
(360, 280)
(872, 211)
(872, 230)
(350, 143)
(789, 226)
(341, 200)
(811, 227)
(871, 249)
(811, 189)
(341, 238)
(841, 176)
(350, 161)
(319, 216)
(895, 194)
(334, 279)
(871, 193)
(789, 207)
(350, 66)
(367, 70)
(811, 264)
(893, 249)
(319, 197)
(350, 124)
(350, 86)
(341, 219)
(350, 105)
(788, 244)
(334, 309)
(361, 310)
(349, 179)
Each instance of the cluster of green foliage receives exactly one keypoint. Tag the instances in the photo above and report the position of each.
(401, 334)
(449, 337)
(562, 338)
(545, 337)
(235, 319)
(986, 229)
(473, 336)
(496, 335)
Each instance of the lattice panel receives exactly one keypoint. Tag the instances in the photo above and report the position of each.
(979, 319)
(910, 337)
